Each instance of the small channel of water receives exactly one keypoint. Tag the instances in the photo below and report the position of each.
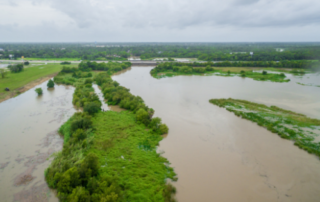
(221, 157)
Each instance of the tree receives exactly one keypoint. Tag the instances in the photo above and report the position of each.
(143, 116)
(92, 108)
(3, 73)
(163, 129)
(39, 91)
(16, 68)
(50, 84)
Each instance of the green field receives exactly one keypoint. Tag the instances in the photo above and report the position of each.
(14, 81)
(304, 131)
(54, 59)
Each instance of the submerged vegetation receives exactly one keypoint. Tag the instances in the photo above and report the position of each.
(170, 69)
(110, 156)
(304, 131)
(309, 84)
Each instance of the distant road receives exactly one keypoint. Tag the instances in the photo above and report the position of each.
(134, 62)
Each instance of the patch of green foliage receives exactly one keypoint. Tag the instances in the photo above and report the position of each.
(16, 68)
(38, 91)
(65, 63)
(287, 124)
(169, 70)
(119, 95)
(50, 84)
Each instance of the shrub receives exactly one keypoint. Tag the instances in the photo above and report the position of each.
(39, 91)
(264, 72)
(50, 84)
(3, 73)
(88, 81)
(16, 68)
(65, 63)
(92, 108)
(143, 116)
(26, 63)
(209, 68)
(163, 129)
(80, 121)
(155, 123)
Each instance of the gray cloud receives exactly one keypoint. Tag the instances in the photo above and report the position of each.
(125, 18)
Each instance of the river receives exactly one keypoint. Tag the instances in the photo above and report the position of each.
(221, 157)
(217, 156)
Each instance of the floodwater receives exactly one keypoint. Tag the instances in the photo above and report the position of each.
(28, 136)
(221, 157)
(3, 65)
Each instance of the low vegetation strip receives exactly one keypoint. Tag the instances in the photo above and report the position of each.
(304, 131)
(110, 156)
(169, 70)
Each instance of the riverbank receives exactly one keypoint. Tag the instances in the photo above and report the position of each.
(304, 131)
(27, 79)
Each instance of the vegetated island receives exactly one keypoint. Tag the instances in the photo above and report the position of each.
(304, 131)
(174, 69)
(109, 156)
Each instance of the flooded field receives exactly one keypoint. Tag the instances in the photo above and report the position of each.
(3, 65)
(220, 157)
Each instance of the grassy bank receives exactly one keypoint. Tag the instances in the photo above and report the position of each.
(109, 156)
(304, 131)
(15, 81)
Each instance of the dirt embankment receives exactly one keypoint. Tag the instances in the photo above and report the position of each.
(13, 93)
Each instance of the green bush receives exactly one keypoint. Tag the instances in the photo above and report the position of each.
(142, 116)
(163, 128)
(50, 84)
(92, 108)
(39, 91)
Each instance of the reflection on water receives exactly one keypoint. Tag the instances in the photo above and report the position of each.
(28, 137)
(221, 157)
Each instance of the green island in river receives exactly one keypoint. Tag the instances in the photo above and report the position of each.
(304, 131)
(109, 156)
(175, 69)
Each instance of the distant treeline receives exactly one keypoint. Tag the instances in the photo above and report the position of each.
(202, 51)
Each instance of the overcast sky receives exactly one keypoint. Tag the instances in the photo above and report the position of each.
(159, 20)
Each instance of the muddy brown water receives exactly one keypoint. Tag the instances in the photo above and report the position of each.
(221, 157)
(28, 137)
